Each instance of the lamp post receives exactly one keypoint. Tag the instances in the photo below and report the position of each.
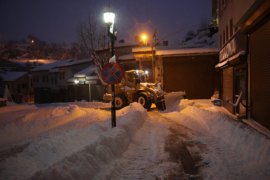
(109, 18)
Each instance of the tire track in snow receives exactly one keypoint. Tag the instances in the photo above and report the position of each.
(146, 157)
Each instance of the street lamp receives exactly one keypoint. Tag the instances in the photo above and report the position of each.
(109, 18)
(144, 39)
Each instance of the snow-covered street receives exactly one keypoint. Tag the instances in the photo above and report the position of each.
(76, 141)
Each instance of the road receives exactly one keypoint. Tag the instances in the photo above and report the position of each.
(161, 149)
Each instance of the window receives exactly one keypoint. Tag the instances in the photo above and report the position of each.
(43, 78)
(220, 40)
(227, 33)
(18, 88)
(62, 75)
(24, 86)
(223, 37)
(231, 27)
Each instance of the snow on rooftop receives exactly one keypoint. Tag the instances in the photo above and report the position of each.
(60, 63)
(126, 57)
(38, 61)
(187, 51)
(142, 49)
(86, 72)
(12, 75)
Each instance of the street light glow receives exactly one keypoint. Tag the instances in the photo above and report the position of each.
(76, 81)
(109, 17)
(144, 38)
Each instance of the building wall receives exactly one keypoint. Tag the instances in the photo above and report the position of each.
(230, 12)
(251, 18)
(227, 88)
(21, 90)
(53, 86)
(195, 75)
(58, 79)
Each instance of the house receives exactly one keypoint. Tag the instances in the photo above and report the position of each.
(86, 85)
(50, 81)
(244, 66)
(190, 70)
(18, 83)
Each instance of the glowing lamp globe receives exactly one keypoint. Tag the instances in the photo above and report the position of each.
(109, 17)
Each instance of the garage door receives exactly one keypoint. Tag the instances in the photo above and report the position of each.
(195, 75)
(260, 74)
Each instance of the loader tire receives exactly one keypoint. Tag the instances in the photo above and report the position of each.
(144, 101)
(120, 101)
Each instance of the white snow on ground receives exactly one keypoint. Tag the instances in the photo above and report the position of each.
(76, 141)
(234, 151)
(81, 143)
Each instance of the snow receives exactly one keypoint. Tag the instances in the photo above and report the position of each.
(228, 60)
(86, 72)
(59, 63)
(76, 141)
(126, 57)
(186, 51)
(234, 150)
(39, 61)
(78, 133)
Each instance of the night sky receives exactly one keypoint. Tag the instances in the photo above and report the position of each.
(59, 20)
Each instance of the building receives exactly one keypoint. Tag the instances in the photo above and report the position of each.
(244, 30)
(18, 84)
(86, 85)
(50, 81)
(190, 70)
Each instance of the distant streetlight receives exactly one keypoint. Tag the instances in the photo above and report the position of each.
(109, 19)
(144, 39)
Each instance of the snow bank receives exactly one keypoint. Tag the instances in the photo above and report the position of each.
(235, 151)
(78, 153)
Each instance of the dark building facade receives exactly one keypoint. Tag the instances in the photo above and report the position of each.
(244, 62)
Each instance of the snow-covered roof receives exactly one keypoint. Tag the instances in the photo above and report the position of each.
(191, 51)
(12, 75)
(39, 61)
(225, 62)
(86, 72)
(126, 57)
(142, 49)
(85, 75)
(60, 63)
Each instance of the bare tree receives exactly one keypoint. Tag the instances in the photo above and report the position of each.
(93, 39)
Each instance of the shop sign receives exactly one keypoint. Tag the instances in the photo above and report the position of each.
(237, 44)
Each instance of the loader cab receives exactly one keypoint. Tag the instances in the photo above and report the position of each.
(136, 76)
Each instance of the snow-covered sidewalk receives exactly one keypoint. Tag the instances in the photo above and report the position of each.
(229, 149)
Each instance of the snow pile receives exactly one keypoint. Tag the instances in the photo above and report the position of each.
(234, 151)
(77, 153)
(172, 100)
